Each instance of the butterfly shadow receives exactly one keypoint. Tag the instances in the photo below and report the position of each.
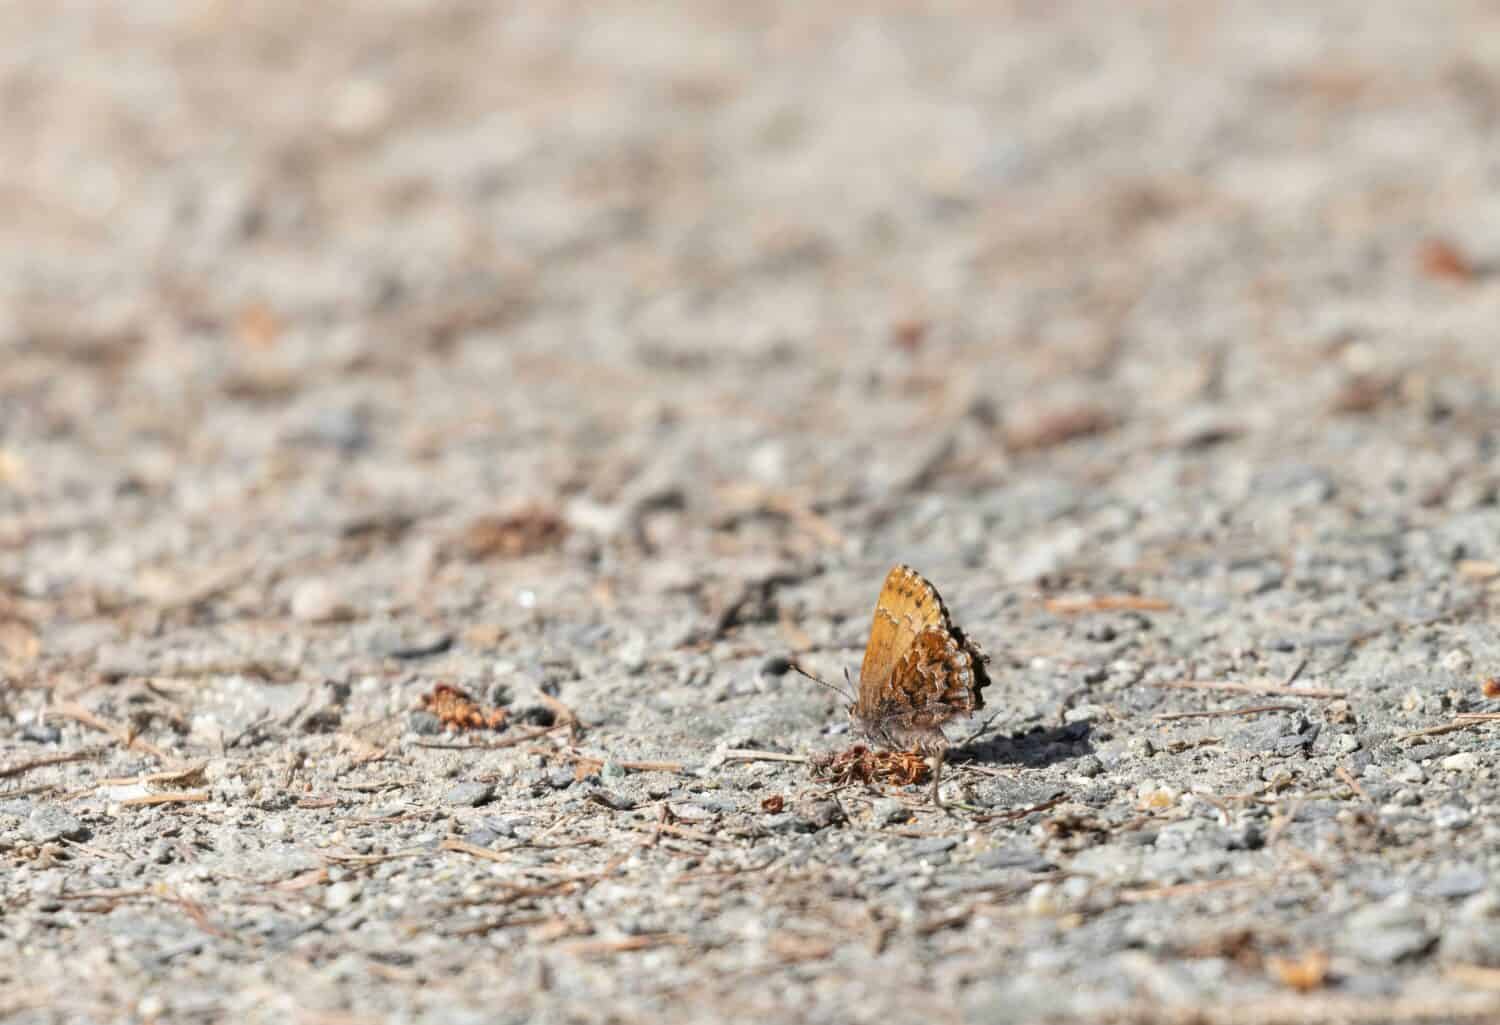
(1037, 747)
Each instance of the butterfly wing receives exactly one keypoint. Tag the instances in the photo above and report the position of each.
(919, 669)
(907, 605)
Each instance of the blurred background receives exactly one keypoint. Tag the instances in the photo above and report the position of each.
(723, 265)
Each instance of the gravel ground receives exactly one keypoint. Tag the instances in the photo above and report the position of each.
(593, 362)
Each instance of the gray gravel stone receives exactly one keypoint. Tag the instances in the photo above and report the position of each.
(1089, 766)
(424, 723)
(888, 811)
(469, 795)
(48, 823)
(1458, 882)
(1451, 816)
(1386, 933)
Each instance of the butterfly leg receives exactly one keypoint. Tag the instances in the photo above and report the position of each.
(936, 761)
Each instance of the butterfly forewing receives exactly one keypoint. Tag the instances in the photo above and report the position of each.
(907, 605)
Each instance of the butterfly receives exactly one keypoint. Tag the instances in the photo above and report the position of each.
(919, 671)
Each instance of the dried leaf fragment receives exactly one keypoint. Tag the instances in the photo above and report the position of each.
(455, 708)
(1304, 974)
(773, 804)
(859, 764)
(1058, 427)
(1440, 258)
(525, 532)
(18, 641)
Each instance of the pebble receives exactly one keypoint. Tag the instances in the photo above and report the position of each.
(1410, 772)
(1464, 761)
(1344, 744)
(481, 837)
(1089, 766)
(340, 895)
(932, 845)
(1458, 661)
(1141, 747)
(1026, 860)
(317, 601)
(1451, 816)
(1043, 901)
(1459, 882)
(470, 795)
(41, 734)
(49, 823)
(1475, 943)
(821, 813)
(888, 811)
(424, 723)
(1385, 933)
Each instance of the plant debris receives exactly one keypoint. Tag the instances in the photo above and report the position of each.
(859, 764)
(525, 532)
(457, 709)
(1304, 974)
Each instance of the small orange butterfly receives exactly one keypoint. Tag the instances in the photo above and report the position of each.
(919, 671)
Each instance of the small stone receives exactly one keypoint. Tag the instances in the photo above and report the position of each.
(48, 823)
(1385, 933)
(1464, 761)
(611, 800)
(1027, 860)
(316, 601)
(471, 795)
(340, 895)
(888, 811)
(1457, 661)
(41, 733)
(1042, 901)
(612, 771)
(1089, 766)
(1460, 882)
(481, 837)
(1473, 943)
(932, 845)
(1451, 816)
(821, 813)
(1141, 747)
(1410, 772)
(1344, 744)
(423, 723)
(560, 779)
(114, 662)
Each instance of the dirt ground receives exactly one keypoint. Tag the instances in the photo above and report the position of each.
(594, 360)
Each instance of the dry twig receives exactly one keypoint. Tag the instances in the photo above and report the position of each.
(1105, 603)
(1224, 712)
(21, 768)
(1250, 687)
(184, 797)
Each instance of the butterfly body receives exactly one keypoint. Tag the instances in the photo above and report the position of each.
(919, 669)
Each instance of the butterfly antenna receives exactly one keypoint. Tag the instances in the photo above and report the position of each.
(818, 679)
